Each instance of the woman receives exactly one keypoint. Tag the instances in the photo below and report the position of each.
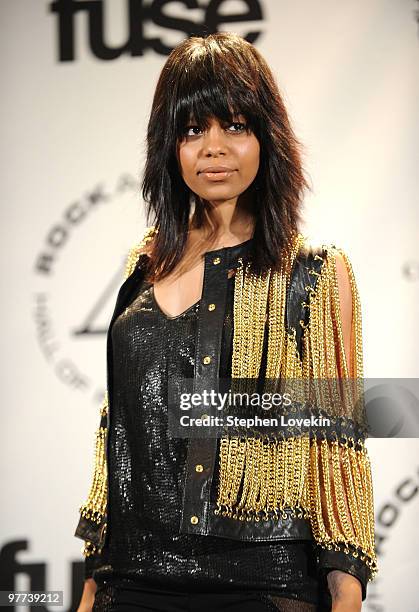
(223, 286)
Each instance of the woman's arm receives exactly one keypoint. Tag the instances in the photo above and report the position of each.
(93, 512)
(340, 492)
(345, 589)
(345, 301)
(88, 596)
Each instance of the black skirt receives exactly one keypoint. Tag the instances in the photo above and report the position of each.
(118, 598)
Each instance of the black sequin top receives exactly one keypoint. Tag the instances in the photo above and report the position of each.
(147, 471)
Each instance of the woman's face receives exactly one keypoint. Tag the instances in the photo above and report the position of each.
(229, 150)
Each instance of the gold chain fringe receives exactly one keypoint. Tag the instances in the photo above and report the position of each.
(327, 482)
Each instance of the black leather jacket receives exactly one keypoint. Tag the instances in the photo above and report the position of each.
(196, 498)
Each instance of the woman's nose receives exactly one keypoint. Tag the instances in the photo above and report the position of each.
(214, 139)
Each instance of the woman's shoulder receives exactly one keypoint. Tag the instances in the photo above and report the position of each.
(310, 248)
(313, 248)
(325, 259)
(142, 247)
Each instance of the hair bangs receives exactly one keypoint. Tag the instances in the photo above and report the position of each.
(207, 93)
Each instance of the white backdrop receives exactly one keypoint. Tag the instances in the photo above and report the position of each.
(72, 150)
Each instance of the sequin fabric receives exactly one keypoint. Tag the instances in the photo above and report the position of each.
(146, 467)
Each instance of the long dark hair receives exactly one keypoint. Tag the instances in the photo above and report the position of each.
(221, 75)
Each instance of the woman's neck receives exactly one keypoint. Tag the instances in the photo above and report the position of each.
(226, 223)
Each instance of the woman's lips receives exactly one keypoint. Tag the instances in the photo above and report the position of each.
(217, 176)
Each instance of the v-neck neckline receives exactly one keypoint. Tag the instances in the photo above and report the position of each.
(166, 316)
(232, 253)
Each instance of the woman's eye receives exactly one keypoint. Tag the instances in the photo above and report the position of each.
(191, 127)
(195, 129)
(239, 124)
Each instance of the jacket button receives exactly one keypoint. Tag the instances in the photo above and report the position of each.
(204, 416)
(199, 468)
(206, 359)
(194, 520)
(211, 307)
(216, 261)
